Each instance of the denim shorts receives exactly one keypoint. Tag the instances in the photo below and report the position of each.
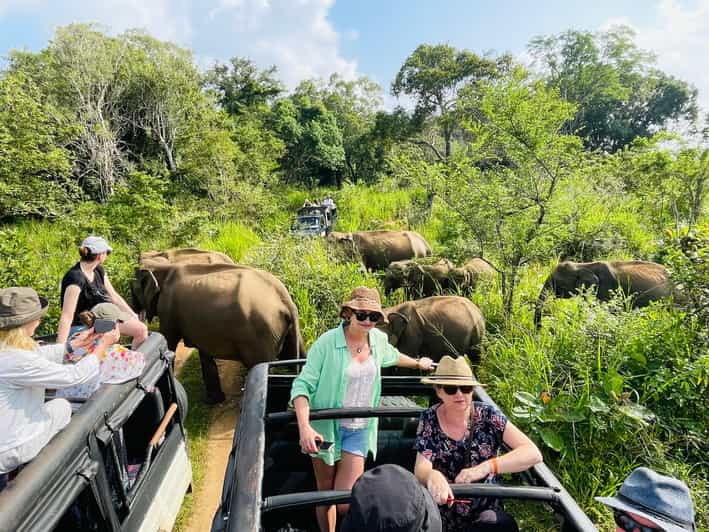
(354, 441)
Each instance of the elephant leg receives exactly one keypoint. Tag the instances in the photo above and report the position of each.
(210, 376)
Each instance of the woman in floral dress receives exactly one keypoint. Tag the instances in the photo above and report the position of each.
(458, 440)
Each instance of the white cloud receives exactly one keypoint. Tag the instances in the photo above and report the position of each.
(167, 20)
(296, 36)
(680, 40)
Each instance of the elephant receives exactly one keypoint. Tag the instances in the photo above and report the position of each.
(419, 279)
(643, 281)
(436, 326)
(467, 276)
(379, 248)
(226, 311)
(186, 255)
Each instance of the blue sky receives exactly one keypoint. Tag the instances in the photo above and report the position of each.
(313, 38)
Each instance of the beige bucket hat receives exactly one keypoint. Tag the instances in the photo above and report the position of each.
(20, 305)
(367, 299)
(452, 371)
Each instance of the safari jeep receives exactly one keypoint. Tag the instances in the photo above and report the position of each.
(269, 483)
(120, 465)
(314, 220)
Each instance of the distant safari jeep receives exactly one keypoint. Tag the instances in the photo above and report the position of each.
(315, 220)
(121, 463)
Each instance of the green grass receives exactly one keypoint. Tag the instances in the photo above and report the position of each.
(234, 239)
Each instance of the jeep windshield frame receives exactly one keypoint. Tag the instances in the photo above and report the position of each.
(243, 504)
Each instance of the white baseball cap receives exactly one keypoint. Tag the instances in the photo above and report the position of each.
(96, 244)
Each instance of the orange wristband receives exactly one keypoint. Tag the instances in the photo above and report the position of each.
(495, 465)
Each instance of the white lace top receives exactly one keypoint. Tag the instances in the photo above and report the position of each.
(359, 390)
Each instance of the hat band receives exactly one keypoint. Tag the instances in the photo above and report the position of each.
(687, 525)
(451, 378)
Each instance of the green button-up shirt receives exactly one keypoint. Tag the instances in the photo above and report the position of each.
(323, 381)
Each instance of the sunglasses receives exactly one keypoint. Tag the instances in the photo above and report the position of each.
(363, 316)
(452, 390)
(629, 524)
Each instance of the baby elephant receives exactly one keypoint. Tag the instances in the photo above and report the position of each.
(436, 326)
(418, 279)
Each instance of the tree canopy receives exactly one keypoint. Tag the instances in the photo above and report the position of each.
(619, 93)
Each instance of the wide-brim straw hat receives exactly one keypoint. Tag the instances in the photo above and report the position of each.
(20, 305)
(366, 299)
(454, 371)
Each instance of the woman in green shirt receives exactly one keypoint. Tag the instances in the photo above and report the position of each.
(343, 369)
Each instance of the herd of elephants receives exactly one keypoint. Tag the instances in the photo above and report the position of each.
(230, 311)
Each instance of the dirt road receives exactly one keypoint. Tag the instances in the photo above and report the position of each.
(221, 433)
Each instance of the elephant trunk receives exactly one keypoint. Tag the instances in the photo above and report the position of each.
(539, 306)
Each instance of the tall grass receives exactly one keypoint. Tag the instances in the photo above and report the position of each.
(233, 238)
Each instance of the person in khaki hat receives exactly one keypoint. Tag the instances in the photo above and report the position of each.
(343, 369)
(458, 440)
(648, 501)
(27, 423)
(86, 286)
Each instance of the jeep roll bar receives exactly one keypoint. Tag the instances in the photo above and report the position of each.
(242, 503)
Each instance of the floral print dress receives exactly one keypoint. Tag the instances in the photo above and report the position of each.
(449, 457)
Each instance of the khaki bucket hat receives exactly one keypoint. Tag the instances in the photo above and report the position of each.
(366, 299)
(20, 305)
(452, 371)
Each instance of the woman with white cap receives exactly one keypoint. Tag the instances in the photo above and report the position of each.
(27, 423)
(86, 287)
(458, 440)
(343, 369)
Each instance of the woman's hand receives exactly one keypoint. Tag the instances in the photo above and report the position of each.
(475, 473)
(425, 363)
(439, 488)
(110, 337)
(309, 439)
(84, 340)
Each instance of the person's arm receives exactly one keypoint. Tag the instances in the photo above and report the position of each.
(116, 298)
(423, 363)
(71, 299)
(308, 435)
(434, 480)
(304, 386)
(523, 455)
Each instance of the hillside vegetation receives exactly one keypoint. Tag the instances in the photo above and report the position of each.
(122, 136)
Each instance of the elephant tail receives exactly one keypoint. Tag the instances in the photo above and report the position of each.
(294, 340)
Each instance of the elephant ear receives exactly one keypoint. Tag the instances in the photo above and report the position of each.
(148, 291)
(397, 326)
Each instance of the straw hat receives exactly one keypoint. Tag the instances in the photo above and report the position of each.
(452, 371)
(20, 305)
(367, 299)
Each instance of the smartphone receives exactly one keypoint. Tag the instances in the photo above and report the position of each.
(325, 445)
(103, 326)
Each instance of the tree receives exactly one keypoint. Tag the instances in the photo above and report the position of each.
(433, 75)
(355, 105)
(163, 94)
(82, 72)
(618, 93)
(35, 166)
(515, 208)
(670, 176)
(314, 153)
(241, 86)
